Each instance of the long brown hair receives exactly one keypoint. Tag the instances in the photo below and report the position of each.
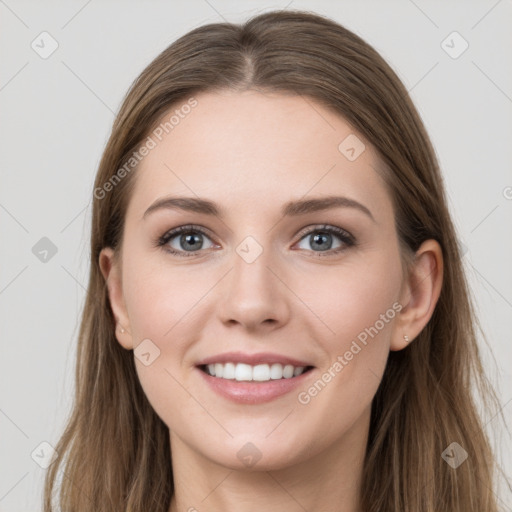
(114, 453)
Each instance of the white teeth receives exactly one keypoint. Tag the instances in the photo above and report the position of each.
(298, 370)
(259, 373)
(288, 371)
(276, 371)
(243, 372)
(229, 371)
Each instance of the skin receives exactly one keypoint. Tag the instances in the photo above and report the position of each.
(250, 153)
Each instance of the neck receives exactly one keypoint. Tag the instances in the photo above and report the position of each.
(330, 480)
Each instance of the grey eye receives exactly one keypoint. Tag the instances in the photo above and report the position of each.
(189, 241)
(320, 241)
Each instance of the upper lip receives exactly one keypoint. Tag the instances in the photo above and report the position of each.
(252, 359)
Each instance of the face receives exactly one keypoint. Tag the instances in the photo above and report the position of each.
(295, 306)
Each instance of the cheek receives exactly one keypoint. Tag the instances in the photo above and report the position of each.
(160, 299)
(163, 305)
(353, 298)
(359, 307)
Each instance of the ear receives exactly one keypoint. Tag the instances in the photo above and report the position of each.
(110, 268)
(420, 293)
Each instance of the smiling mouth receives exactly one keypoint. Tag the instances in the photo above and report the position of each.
(254, 373)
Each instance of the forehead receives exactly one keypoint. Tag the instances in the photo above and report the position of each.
(248, 149)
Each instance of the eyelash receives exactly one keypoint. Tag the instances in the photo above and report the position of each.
(347, 239)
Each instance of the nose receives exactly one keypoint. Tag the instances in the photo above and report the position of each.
(254, 295)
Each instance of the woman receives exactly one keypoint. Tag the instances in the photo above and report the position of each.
(228, 361)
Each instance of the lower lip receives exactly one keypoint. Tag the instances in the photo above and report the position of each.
(250, 392)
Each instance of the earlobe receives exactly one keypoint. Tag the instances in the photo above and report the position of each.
(420, 294)
(111, 272)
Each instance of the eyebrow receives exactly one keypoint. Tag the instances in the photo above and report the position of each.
(290, 209)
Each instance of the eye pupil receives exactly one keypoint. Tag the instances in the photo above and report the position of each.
(188, 239)
(322, 237)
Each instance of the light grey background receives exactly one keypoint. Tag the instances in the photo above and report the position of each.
(56, 114)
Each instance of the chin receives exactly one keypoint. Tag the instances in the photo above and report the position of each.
(242, 454)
